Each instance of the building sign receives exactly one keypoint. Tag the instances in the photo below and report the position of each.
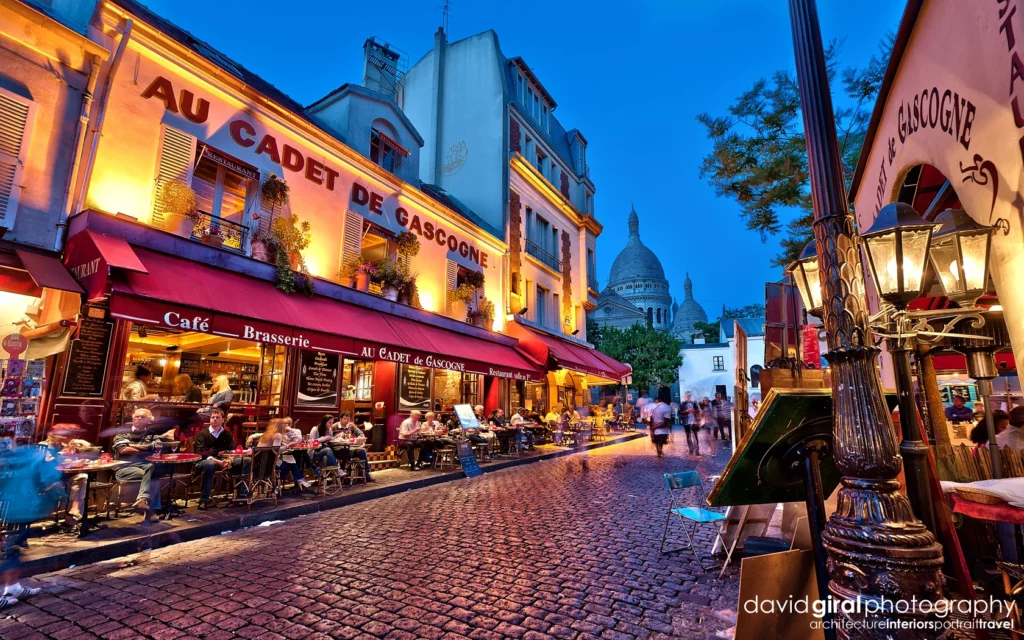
(811, 346)
(318, 379)
(15, 344)
(426, 229)
(414, 387)
(88, 358)
(230, 163)
(954, 103)
(243, 133)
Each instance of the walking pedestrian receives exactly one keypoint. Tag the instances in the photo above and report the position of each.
(688, 410)
(706, 426)
(661, 420)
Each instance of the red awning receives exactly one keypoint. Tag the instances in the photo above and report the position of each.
(89, 256)
(198, 297)
(568, 355)
(28, 273)
(957, 362)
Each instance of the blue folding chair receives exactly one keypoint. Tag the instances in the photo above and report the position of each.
(680, 484)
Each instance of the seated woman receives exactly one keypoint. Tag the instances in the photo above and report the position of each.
(273, 437)
(287, 462)
(185, 389)
(346, 430)
(434, 426)
(323, 456)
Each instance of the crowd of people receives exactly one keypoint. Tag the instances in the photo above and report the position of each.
(705, 422)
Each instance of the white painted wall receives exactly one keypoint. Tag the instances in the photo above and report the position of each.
(697, 374)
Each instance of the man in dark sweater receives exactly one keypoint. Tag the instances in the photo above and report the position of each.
(209, 443)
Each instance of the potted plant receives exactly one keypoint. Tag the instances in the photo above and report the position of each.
(483, 315)
(408, 290)
(347, 273)
(212, 237)
(275, 191)
(262, 244)
(291, 236)
(474, 279)
(179, 208)
(392, 276)
(364, 273)
(461, 297)
(408, 243)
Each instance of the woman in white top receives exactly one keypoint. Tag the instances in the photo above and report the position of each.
(661, 420)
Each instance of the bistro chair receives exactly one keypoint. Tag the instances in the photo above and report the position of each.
(261, 483)
(444, 458)
(355, 470)
(681, 486)
(329, 480)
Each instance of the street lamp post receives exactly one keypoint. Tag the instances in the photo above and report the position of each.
(877, 548)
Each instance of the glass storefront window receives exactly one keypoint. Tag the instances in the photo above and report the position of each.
(357, 380)
(272, 375)
(447, 388)
(537, 396)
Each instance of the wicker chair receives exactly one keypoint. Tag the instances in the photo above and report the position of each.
(262, 481)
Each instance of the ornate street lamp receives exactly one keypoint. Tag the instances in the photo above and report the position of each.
(877, 548)
(959, 255)
(897, 247)
(807, 278)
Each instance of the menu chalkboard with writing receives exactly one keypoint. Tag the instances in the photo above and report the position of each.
(191, 364)
(318, 379)
(414, 388)
(88, 359)
(470, 466)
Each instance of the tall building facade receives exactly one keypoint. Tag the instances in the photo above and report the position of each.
(492, 140)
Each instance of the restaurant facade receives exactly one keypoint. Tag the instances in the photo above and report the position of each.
(210, 295)
(947, 132)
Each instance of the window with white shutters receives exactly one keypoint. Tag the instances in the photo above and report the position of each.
(451, 281)
(352, 241)
(177, 151)
(15, 120)
(269, 211)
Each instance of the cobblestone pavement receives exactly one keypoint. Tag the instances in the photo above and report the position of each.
(566, 548)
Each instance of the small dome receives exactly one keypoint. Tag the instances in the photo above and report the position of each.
(689, 312)
(635, 261)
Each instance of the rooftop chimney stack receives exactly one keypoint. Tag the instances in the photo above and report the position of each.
(383, 67)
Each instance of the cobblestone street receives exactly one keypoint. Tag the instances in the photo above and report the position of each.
(566, 548)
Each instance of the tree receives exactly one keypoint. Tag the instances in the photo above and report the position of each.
(759, 157)
(594, 333)
(711, 330)
(654, 355)
(755, 310)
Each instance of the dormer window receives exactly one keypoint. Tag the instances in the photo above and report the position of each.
(534, 103)
(386, 152)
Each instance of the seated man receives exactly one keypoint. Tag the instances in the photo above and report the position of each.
(519, 422)
(408, 439)
(346, 429)
(62, 442)
(210, 443)
(134, 445)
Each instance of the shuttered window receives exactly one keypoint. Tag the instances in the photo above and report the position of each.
(352, 241)
(269, 211)
(15, 117)
(451, 277)
(177, 151)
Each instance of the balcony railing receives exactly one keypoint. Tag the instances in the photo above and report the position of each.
(592, 283)
(538, 252)
(236, 236)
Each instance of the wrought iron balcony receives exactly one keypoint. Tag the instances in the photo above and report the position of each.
(592, 282)
(538, 252)
(236, 236)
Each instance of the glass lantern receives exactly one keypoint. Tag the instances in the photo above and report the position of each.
(897, 247)
(807, 276)
(959, 255)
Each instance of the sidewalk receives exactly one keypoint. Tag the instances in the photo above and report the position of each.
(127, 535)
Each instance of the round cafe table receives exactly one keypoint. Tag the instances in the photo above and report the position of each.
(175, 461)
(231, 455)
(69, 468)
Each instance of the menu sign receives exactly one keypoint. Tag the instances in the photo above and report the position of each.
(191, 364)
(87, 361)
(414, 388)
(318, 379)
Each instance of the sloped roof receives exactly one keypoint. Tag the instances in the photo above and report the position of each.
(610, 297)
(453, 203)
(752, 326)
(558, 139)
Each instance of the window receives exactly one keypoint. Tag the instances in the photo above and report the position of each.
(16, 115)
(221, 185)
(541, 163)
(541, 240)
(719, 363)
(272, 374)
(377, 244)
(521, 88)
(540, 303)
(544, 118)
(659, 316)
(384, 151)
(590, 203)
(529, 148)
(755, 375)
(556, 310)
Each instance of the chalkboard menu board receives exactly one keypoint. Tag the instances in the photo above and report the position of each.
(414, 388)
(191, 364)
(88, 359)
(318, 379)
(470, 466)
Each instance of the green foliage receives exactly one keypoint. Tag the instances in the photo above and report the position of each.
(755, 310)
(594, 333)
(391, 274)
(408, 244)
(709, 330)
(275, 191)
(654, 355)
(759, 157)
(464, 293)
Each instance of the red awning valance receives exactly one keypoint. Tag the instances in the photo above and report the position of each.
(568, 355)
(198, 297)
(391, 143)
(28, 273)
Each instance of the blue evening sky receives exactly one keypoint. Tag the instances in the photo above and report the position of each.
(630, 75)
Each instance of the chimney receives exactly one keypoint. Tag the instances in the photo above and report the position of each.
(383, 67)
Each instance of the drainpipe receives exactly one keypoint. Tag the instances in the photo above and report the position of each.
(80, 133)
(97, 128)
(440, 42)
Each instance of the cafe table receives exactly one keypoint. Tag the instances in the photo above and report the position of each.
(72, 467)
(175, 461)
